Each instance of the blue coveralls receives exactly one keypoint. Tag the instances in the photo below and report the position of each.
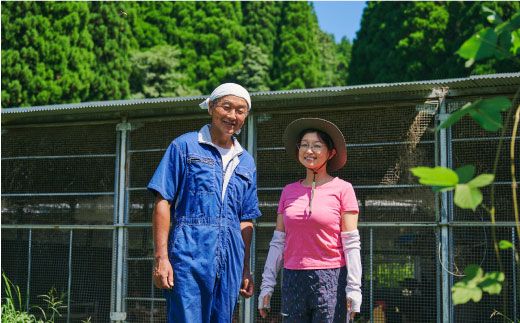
(205, 244)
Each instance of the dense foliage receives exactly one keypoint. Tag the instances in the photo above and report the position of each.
(62, 52)
(59, 52)
(409, 41)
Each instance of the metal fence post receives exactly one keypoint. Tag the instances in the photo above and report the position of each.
(118, 313)
(248, 312)
(445, 212)
(69, 280)
(29, 265)
(514, 269)
(371, 273)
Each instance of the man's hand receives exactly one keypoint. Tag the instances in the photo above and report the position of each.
(163, 273)
(247, 287)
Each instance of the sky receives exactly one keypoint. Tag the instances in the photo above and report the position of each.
(341, 18)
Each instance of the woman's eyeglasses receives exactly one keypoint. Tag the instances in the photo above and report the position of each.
(317, 148)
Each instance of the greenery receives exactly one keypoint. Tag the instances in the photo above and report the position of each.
(500, 43)
(63, 52)
(475, 283)
(154, 74)
(467, 188)
(410, 41)
(12, 309)
(84, 51)
(12, 304)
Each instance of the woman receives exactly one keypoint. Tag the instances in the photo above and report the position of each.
(316, 237)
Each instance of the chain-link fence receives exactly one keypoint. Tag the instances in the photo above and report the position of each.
(77, 217)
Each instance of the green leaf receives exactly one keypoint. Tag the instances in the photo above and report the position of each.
(510, 25)
(473, 273)
(481, 180)
(492, 282)
(488, 112)
(493, 17)
(465, 173)
(437, 176)
(504, 244)
(467, 197)
(515, 40)
(485, 112)
(505, 43)
(491, 286)
(454, 117)
(467, 289)
(475, 283)
(461, 293)
(481, 45)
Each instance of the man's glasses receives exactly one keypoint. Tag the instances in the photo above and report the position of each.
(317, 148)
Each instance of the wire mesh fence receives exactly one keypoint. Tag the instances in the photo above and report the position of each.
(75, 220)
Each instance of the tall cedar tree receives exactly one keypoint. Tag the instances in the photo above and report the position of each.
(343, 52)
(155, 74)
(213, 43)
(296, 62)
(328, 60)
(261, 19)
(409, 41)
(113, 41)
(47, 55)
(254, 74)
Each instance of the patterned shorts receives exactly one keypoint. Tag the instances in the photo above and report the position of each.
(314, 295)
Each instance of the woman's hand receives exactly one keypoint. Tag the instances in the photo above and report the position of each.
(352, 315)
(264, 306)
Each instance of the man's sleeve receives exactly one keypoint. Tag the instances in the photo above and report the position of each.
(250, 208)
(168, 175)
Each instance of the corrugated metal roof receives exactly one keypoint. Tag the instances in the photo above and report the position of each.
(189, 104)
(472, 81)
(97, 104)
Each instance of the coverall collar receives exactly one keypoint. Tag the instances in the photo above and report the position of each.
(204, 137)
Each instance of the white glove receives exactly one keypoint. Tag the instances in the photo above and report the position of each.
(273, 263)
(351, 248)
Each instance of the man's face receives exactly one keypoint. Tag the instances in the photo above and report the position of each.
(228, 114)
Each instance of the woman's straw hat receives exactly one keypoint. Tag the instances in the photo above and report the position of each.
(294, 129)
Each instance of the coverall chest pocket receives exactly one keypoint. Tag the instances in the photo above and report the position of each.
(240, 184)
(201, 174)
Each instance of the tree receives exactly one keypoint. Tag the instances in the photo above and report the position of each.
(328, 59)
(254, 74)
(344, 53)
(211, 42)
(154, 74)
(60, 52)
(151, 22)
(113, 41)
(409, 41)
(47, 53)
(296, 60)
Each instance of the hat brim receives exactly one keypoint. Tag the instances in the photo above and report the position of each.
(293, 130)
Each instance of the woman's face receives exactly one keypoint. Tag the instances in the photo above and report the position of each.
(313, 152)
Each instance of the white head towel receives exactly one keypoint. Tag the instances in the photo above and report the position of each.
(227, 89)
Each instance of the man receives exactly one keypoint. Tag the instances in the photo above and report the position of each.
(205, 186)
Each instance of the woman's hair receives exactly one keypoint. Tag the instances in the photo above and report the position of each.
(327, 140)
